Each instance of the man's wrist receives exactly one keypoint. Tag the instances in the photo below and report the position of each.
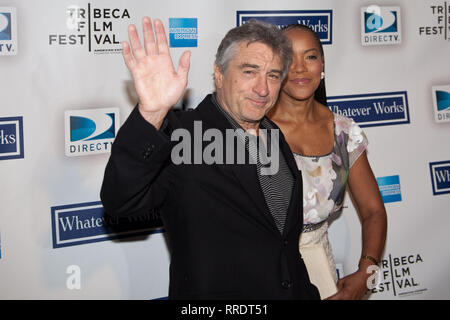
(155, 118)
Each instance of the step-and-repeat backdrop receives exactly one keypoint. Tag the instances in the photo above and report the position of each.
(65, 91)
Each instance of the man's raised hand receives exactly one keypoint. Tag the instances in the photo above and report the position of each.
(158, 85)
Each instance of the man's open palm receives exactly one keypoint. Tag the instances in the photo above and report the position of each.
(158, 85)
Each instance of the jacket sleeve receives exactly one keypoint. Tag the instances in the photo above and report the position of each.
(138, 156)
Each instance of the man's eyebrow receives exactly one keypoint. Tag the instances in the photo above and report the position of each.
(248, 65)
(255, 66)
(276, 71)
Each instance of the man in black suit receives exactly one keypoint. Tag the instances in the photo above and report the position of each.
(233, 226)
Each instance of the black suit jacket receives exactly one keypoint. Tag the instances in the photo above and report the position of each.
(223, 240)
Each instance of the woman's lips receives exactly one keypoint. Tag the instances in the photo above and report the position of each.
(301, 80)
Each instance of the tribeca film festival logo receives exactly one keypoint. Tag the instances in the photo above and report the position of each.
(377, 109)
(82, 223)
(438, 24)
(318, 20)
(90, 131)
(93, 28)
(380, 25)
(8, 31)
(440, 177)
(390, 188)
(441, 103)
(11, 138)
(183, 32)
(397, 275)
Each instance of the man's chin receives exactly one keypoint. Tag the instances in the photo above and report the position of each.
(257, 113)
(254, 118)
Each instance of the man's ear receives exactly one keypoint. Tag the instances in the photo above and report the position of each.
(218, 77)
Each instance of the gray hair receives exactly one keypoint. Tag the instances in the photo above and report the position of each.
(254, 31)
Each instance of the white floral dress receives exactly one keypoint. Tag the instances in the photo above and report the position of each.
(324, 182)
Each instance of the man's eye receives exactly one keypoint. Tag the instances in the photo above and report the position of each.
(274, 76)
(249, 71)
(312, 57)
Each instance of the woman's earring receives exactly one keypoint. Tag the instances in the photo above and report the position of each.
(322, 75)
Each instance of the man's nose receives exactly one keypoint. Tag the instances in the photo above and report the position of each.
(261, 86)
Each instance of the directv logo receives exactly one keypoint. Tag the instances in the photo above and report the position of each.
(318, 20)
(440, 177)
(390, 188)
(377, 109)
(441, 103)
(380, 25)
(8, 31)
(11, 138)
(183, 32)
(90, 131)
(5, 26)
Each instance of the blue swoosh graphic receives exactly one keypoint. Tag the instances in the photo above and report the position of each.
(443, 100)
(81, 128)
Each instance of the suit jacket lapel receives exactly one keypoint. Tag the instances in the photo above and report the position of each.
(246, 174)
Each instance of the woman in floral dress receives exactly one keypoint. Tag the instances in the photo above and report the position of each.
(330, 151)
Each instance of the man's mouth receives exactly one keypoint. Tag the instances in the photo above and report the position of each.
(258, 102)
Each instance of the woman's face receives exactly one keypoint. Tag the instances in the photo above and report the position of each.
(306, 67)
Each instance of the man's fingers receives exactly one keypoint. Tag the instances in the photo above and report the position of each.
(136, 47)
(127, 56)
(184, 64)
(149, 38)
(161, 38)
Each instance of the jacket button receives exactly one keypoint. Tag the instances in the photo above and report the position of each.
(146, 154)
(286, 284)
(285, 242)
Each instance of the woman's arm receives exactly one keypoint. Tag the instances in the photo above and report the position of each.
(364, 189)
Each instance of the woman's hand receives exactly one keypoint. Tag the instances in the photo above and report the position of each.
(351, 287)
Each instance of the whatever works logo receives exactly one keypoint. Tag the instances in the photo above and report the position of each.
(81, 223)
(90, 131)
(11, 138)
(318, 20)
(376, 109)
(98, 29)
(440, 177)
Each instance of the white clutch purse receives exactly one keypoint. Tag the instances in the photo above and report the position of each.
(318, 268)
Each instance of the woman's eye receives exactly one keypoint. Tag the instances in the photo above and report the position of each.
(312, 57)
